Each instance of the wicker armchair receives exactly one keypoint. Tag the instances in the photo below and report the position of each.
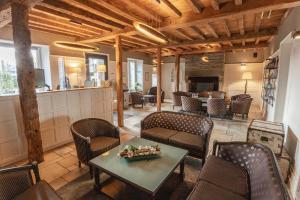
(191, 105)
(19, 183)
(137, 99)
(153, 91)
(216, 107)
(240, 104)
(177, 98)
(92, 137)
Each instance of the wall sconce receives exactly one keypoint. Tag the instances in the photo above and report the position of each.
(243, 66)
(296, 35)
(205, 59)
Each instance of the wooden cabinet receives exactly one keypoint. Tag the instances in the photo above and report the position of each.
(57, 111)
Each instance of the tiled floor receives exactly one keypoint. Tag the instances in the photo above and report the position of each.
(61, 165)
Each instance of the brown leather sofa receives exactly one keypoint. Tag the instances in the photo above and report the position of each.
(92, 137)
(191, 132)
(18, 183)
(240, 171)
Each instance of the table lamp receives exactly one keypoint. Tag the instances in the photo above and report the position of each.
(246, 76)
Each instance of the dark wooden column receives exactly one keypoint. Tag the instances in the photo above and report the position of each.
(158, 72)
(119, 81)
(177, 72)
(26, 79)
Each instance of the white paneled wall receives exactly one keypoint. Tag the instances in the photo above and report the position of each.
(57, 111)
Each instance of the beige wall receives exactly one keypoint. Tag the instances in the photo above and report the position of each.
(233, 83)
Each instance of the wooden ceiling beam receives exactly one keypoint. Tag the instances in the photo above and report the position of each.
(217, 49)
(198, 31)
(143, 39)
(234, 37)
(212, 30)
(99, 10)
(196, 5)
(238, 2)
(113, 7)
(39, 17)
(215, 4)
(143, 9)
(172, 7)
(241, 25)
(58, 14)
(80, 13)
(257, 23)
(184, 34)
(50, 30)
(229, 10)
(227, 31)
(257, 41)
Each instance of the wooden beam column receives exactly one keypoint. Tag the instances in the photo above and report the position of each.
(26, 79)
(158, 72)
(119, 81)
(177, 72)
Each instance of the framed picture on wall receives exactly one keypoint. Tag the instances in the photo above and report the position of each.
(147, 76)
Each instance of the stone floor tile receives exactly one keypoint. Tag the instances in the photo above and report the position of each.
(52, 172)
(58, 183)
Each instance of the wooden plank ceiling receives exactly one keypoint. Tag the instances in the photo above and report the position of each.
(192, 26)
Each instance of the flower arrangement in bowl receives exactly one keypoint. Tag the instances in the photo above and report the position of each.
(132, 153)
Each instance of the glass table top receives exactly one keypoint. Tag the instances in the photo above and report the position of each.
(147, 175)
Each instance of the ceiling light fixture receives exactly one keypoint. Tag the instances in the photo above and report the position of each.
(205, 59)
(150, 32)
(296, 35)
(75, 46)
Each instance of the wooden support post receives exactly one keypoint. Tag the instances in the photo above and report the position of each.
(158, 72)
(177, 72)
(119, 80)
(26, 79)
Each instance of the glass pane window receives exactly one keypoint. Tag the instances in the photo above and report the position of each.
(8, 70)
(154, 80)
(135, 75)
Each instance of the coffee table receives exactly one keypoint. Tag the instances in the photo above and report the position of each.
(145, 175)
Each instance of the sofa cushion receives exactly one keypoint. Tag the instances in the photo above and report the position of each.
(187, 141)
(207, 191)
(40, 191)
(101, 144)
(226, 175)
(158, 134)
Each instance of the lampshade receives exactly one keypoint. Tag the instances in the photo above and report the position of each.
(75, 46)
(74, 70)
(101, 68)
(150, 32)
(247, 76)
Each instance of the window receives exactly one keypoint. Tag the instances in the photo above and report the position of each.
(154, 80)
(92, 73)
(135, 74)
(8, 70)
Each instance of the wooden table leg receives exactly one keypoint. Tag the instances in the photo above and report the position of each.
(97, 185)
(182, 169)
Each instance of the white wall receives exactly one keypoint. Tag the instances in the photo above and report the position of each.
(292, 117)
(233, 83)
(167, 85)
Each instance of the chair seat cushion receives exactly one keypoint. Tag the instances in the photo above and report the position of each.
(188, 141)
(101, 144)
(158, 134)
(207, 191)
(40, 191)
(226, 175)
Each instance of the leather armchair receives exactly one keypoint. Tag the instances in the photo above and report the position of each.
(19, 183)
(153, 91)
(92, 137)
(240, 104)
(137, 99)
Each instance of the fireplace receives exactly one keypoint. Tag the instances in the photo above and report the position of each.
(199, 84)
